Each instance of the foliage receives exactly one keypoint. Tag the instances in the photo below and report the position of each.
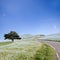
(12, 35)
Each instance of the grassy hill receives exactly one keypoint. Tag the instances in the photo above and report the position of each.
(27, 36)
(26, 50)
(55, 37)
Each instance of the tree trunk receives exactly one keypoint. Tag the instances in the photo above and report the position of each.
(12, 40)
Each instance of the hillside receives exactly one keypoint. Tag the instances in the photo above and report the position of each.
(52, 36)
(26, 36)
(26, 50)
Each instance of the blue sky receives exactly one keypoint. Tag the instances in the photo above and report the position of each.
(30, 16)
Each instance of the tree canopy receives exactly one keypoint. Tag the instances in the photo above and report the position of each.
(12, 35)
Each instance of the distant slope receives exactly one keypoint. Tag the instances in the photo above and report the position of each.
(27, 36)
(52, 36)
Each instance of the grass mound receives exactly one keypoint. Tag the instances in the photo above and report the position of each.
(45, 53)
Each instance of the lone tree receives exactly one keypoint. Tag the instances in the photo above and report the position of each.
(12, 35)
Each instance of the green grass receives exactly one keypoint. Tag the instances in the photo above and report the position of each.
(5, 43)
(26, 50)
(45, 53)
(22, 50)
